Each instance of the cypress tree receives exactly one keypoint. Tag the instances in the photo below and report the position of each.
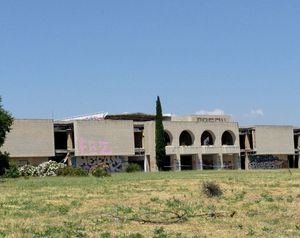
(159, 137)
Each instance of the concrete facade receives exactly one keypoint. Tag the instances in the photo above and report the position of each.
(30, 140)
(193, 142)
(101, 138)
(268, 147)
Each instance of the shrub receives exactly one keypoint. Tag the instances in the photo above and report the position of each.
(28, 170)
(49, 168)
(160, 233)
(100, 172)
(132, 167)
(71, 171)
(211, 189)
(12, 171)
(4, 162)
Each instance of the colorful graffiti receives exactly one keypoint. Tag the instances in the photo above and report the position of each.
(265, 162)
(94, 147)
(113, 163)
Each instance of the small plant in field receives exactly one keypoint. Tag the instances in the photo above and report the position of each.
(105, 235)
(211, 189)
(239, 226)
(135, 235)
(251, 232)
(71, 171)
(266, 229)
(240, 195)
(290, 199)
(174, 203)
(159, 232)
(100, 172)
(132, 167)
(267, 197)
(154, 199)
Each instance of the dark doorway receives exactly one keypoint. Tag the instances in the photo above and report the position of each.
(186, 162)
(208, 161)
(60, 139)
(243, 163)
(139, 160)
(291, 161)
(167, 164)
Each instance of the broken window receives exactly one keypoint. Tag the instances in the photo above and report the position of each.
(138, 136)
(207, 138)
(185, 138)
(227, 138)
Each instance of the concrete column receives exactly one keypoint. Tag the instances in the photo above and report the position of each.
(246, 161)
(237, 161)
(178, 162)
(221, 161)
(173, 162)
(70, 145)
(200, 162)
(194, 162)
(146, 164)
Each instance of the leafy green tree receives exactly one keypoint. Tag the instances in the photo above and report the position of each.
(6, 121)
(160, 143)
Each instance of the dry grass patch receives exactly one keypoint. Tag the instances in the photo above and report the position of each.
(265, 205)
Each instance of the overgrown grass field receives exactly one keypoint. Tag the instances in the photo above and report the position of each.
(166, 204)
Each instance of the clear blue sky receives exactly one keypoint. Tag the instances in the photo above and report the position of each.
(75, 57)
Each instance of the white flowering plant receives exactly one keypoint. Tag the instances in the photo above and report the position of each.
(28, 170)
(49, 168)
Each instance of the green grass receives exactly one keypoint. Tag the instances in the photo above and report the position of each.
(266, 205)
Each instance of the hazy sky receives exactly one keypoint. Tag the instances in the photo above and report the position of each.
(67, 58)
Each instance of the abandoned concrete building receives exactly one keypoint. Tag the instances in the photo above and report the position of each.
(192, 142)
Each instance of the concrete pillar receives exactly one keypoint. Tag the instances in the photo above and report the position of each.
(70, 145)
(200, 162)
(237, 161)
(221, 161)
(173, 162)
(246, 161)
(178, 162)
(146, 164)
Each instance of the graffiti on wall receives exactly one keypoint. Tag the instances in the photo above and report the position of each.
(265, 162)
(113, 163)
(87, 147)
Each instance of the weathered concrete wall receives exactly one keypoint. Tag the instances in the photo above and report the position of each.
(274, 140)
(108, 137)
(30, 138)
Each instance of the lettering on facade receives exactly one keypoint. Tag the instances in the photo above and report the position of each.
(94, 147)
(211, 119)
